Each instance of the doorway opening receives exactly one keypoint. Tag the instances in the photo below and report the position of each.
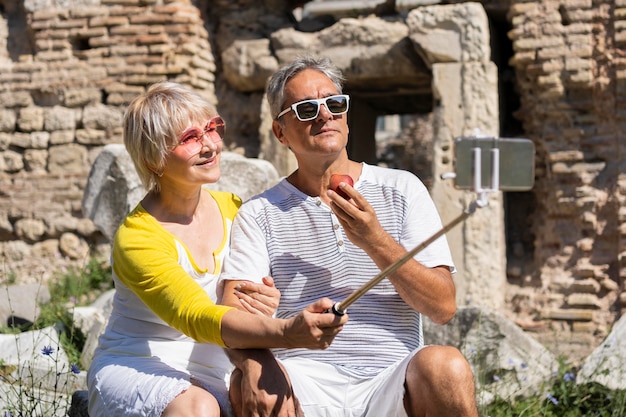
(393, 130)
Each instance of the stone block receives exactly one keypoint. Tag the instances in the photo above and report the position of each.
(583, 300)
(108, 21)
(495, 346)
(21, 303)
(568, 314)
(450, 33)
(586, 327)
(607, 363)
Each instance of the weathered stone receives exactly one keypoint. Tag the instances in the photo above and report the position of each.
(568, 314)
(61, 118)
(7, 120)
(92, 320)
(248, 64)
(506, 361)
(81, 97)
(454, 33)
(99, 116)
(15, 250)
(583, 300)
(11, 161)
(21, 304)
(73, 247)
(60, 137)
(6, 228)
(30, 229)
(92, 137)
(70, 158)
(609, 285)
(16, 98)
(46, 249)
(31, 119)
(606, 364)
(5, 141)
(39, 140)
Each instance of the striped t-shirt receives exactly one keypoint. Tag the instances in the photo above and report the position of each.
(297, 240)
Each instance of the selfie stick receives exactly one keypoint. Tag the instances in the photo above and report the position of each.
(340, 308)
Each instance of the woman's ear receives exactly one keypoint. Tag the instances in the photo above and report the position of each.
(156, 171)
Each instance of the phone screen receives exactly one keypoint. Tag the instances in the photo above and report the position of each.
(516, 162)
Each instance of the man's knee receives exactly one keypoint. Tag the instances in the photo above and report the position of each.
(440, 367)
(440, 382)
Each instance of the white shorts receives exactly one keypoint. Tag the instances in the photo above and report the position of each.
(128, 386)
(326, 390)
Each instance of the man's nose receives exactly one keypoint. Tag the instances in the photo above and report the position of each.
(327, 114)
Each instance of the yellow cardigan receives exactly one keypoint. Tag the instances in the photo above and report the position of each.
(145, 259)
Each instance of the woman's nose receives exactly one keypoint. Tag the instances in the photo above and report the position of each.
(212, 139)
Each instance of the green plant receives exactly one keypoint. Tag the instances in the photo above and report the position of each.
(44, 380)
(74, 287)
(563, 398)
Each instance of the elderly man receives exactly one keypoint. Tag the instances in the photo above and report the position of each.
(314, 242)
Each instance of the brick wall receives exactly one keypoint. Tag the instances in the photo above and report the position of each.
(567, 61)
(66, 75)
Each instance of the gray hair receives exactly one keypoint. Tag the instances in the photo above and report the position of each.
(154, 120)
(276, 87)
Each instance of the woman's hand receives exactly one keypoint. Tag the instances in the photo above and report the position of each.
(315, 327)
(260, 299)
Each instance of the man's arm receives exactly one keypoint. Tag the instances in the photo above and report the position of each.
(259, 384)
(430, 291)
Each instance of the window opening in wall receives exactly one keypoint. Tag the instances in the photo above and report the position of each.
(4, 33)
(80, 43)
(19, 37)
(519, 207)
(405, 141)
(393, 130)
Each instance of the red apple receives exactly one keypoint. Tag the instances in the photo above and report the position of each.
(335, 179)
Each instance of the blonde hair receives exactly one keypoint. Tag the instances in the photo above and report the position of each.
(153, 122)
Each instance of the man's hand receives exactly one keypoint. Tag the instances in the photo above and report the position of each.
(358, 218)
(260, 386)
(315, 327)
(427, 290)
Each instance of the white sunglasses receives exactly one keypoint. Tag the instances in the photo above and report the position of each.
(309, 109)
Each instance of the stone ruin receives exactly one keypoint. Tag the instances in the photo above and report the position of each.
(552, 259)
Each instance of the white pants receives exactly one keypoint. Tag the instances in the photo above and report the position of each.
(327, 391)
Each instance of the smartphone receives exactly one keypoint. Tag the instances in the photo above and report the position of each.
(512, 158)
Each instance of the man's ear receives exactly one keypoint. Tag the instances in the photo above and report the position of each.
(277, 129)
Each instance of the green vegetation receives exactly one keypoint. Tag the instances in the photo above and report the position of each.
(74, 288)
(563, 397)
(26, 390)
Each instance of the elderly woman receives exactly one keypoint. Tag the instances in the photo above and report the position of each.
(162, 351)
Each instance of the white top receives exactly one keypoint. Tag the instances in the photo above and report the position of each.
(164, 305)
(297, 240)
